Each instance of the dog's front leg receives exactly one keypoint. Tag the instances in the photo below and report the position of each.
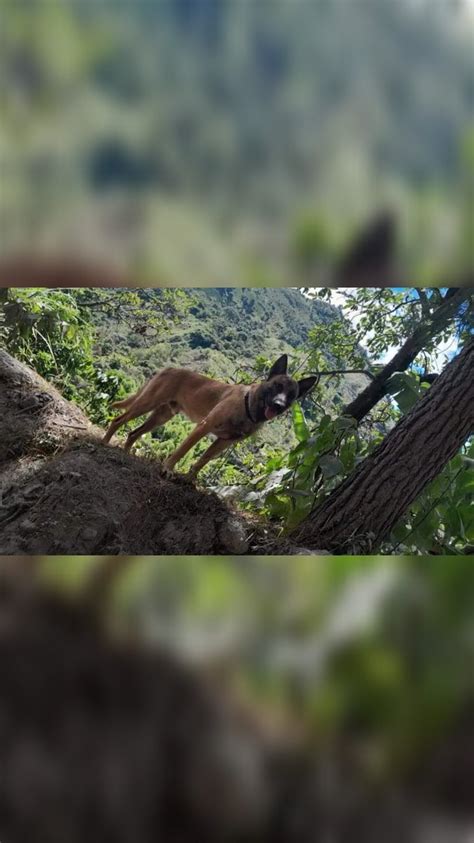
(213, 451)
(199, 431)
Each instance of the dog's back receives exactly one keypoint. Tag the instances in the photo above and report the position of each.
(189, 392)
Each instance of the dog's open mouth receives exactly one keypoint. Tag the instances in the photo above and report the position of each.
(270, 413)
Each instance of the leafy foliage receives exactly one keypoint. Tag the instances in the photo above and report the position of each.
(441, 520)
(97, 345)
(196, 123)
(53, 331)
(368, 653)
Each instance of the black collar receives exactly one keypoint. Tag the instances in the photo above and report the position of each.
(247, 408)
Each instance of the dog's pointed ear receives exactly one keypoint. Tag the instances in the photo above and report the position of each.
(305, 385)
(279, 368)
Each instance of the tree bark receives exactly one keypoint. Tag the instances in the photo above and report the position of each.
(427, 329)
(366, 506)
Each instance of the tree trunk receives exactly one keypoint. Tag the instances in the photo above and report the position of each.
(427, 329)
(367, 505)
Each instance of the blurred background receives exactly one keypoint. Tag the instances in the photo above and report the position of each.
(211, 142)
(237, 699)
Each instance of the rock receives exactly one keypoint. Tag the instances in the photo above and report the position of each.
(27, 526)
(89, 533)
(233, 536)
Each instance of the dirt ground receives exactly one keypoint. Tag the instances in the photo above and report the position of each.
(63, 492)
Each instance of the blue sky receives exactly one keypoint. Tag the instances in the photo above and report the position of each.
(445, 350)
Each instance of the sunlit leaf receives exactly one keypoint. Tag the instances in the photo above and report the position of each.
(299, 422)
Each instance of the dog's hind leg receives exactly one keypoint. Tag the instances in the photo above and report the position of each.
(158, 417)
(143, 402)
(114, 426)
(132, 413)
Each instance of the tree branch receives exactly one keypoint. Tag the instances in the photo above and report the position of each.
(344, 372)
(427, 329)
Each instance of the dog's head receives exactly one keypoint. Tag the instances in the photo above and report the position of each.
(278, 392)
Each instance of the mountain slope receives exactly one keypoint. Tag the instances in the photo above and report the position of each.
(223, 332)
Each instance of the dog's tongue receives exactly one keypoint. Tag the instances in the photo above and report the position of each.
(269, 413)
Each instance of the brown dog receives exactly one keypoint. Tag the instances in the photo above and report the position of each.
(230, 411)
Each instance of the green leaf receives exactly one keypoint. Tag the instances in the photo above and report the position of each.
(406, 399)
(465, 483)
(331, 465)
(295, 455)
(466, 518)
(299, 423)
(279, 505)
(326, 440)
(347, 453)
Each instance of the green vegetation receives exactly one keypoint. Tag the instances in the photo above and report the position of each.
(331, 692)
(220, 142)
(98, 345)
(54, 332)
(370, 652)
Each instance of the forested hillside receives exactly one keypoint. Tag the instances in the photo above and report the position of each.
(261, 82)
(225, 330)
(196, 140)
(99, 345)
